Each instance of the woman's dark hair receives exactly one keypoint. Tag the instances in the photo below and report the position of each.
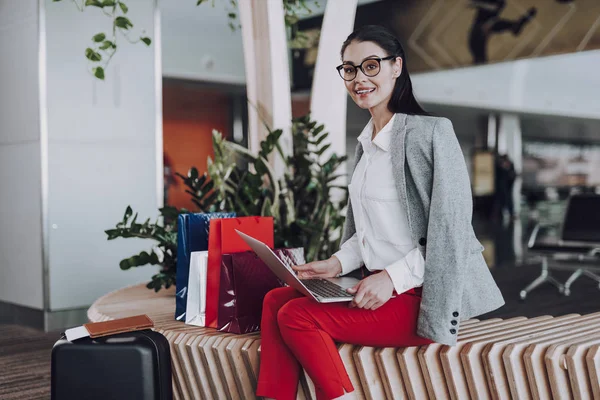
(402, 100)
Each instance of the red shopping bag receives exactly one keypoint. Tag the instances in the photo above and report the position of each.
(223, 239)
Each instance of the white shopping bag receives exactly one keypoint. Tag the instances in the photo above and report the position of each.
(196, 298)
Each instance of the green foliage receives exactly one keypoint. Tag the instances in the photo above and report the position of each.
(200, 188)
(293, 10)
(123, 23)
(92, 55)
(300, 202)
(98, 72)
(103, 49)
(312, 182)
(99, 37)
(305, 216)
(112, 8)
(164, 252)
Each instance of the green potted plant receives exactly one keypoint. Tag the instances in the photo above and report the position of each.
(237, 180)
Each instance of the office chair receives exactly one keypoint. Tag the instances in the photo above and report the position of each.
(579, 244)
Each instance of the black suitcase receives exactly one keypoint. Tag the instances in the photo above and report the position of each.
(126, 366)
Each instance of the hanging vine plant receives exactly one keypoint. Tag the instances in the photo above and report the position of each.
(293, 10)
(104, 46)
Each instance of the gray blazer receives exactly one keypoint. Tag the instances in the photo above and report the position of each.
(433, 185)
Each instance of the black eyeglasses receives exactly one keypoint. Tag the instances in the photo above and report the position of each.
(370, 67)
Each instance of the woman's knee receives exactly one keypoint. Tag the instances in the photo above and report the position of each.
(276, 298)
(294, 314)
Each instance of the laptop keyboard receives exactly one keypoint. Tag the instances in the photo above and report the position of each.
(325, 288)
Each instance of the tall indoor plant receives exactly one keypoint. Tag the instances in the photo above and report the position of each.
(237, 180)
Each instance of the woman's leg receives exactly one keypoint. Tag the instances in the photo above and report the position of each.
(310, 330)
(279, 369)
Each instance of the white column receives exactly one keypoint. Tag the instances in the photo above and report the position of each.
(74, 152)
(491, 132)
(267, 73)
(328, 96)
(21, 266)
(509, 142)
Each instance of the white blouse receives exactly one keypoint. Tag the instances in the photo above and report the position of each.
(382, 239)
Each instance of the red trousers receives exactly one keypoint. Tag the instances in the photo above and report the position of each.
(298, 332)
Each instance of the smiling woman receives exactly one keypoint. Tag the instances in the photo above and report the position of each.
(370, 76)
(367, 50)
(410, 198)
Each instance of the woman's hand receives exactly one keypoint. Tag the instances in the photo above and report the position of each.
(329, 268)
(373, 291)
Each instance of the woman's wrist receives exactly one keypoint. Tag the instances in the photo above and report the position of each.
(336, 265)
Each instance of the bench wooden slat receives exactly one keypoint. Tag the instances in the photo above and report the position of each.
(187, 364)
(538, 376)
(180, 360)
(431, 365)
(414, 382)
(483, 370)
(391, 376)
(566, 366)
(577, 369)
(182, 390)
(243, 377)
(366, 366)
(216, 380)
(499, 377)
(201, 373)
(225, 370)
(347, 354)
(452, 361)
(592, 359)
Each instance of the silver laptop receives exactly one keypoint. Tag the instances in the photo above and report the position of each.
(322, 290)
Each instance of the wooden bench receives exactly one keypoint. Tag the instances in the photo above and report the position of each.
(521, 358)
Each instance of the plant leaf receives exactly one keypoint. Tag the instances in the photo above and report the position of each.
(99, 37)
(124, 264)
(92, 55)
(94, 3)
(123, 7)
(123, 23)
(128, 213)
(98, 72)
(146, 40)
(320, 139)
(107, 44)
(323, 149)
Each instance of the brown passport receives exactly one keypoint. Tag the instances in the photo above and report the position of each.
(129, 324)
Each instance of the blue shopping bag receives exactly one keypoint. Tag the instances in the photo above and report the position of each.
(192, 235)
